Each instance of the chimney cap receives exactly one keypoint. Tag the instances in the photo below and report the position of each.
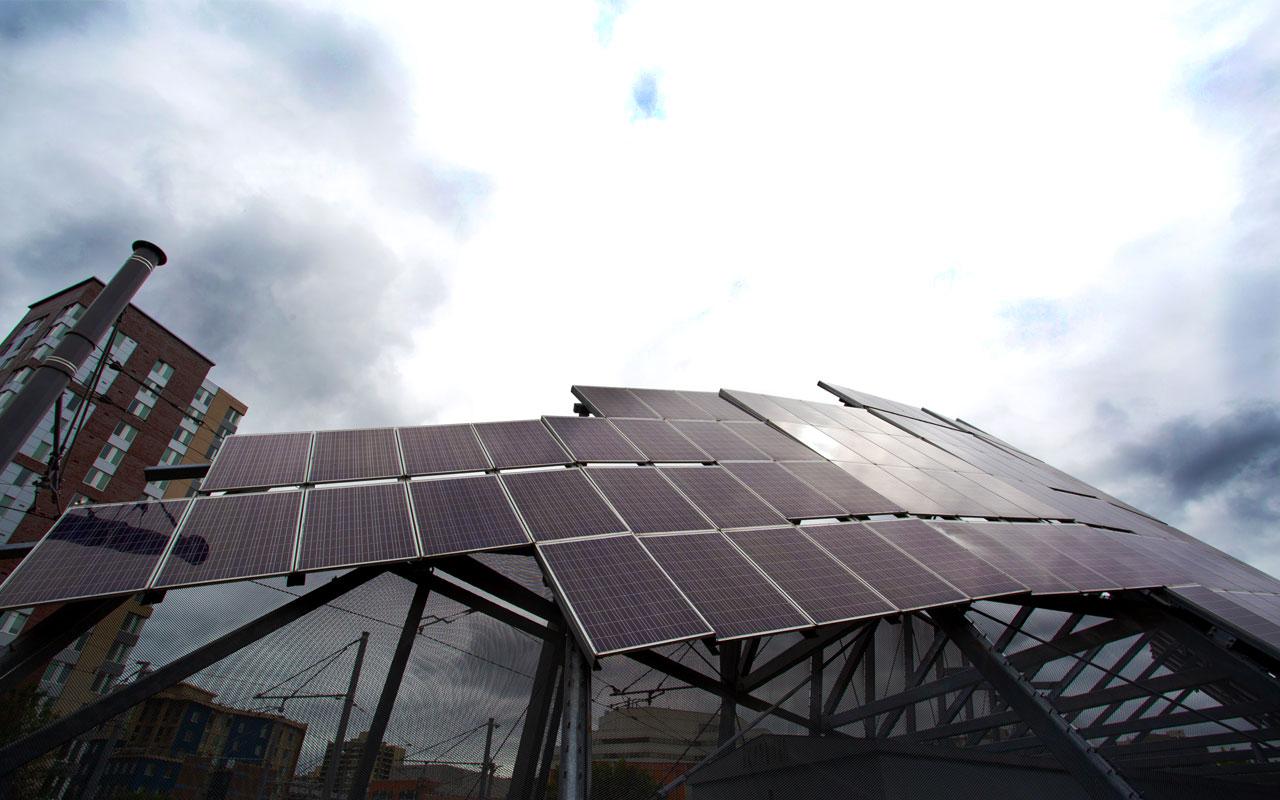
(144, 243)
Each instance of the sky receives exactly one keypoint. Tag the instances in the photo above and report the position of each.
(1056, 223)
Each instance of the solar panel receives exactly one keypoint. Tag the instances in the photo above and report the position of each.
(776, 445)
(670, 404)
(880, 403)
(1112, 558)
(646, 501)
(716, 406)
(945, 499)
(611, 401)
(812, 413)
(1227, 608)
(523, 443)
(762, 406)
(1045, 551)
(1020, 559)
(433, 449)
(784, 491)
(352, 525)
(618, 595)
(722, 497)
(93, 551)
(659, 441)
(901, 579)
(719, 441)
(460, 515)
(854, 496)
(854, 419)
(233, 537)
(956, 564)
(815, 439)
(898, 446)
(593, 439)
(255, 461)
(823, 588)
(560, 504)
(1030, 505)
(867, 451)
(883, 483)
(724, 585)
(354, 455)
(992, 503)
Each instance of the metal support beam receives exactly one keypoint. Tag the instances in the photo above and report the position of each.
(575, 733)
(912, 681)
(865, 639)
(487, 579)
(793, 655)
(331, 774)
(17, 753)
(1094, 774)
(815, 693)
(44, 640)
(497, 611)
(550, 738)
(535, 720)
(908, 668)
(965, 699)
(869, 685)
(693, 677)
(730, 657)
(390, 688)
(748, 659)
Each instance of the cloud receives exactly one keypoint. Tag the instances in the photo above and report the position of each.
(645, 97)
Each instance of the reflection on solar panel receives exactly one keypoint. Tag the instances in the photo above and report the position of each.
(618, 595)
(353, 455)
(1257, 619)
(902, 580)
(716, 406)
(523, 443)
(722, 584)
(1034, 507)
(433, 449)
(882, 482)
(659, 441)
(670, 404)
(775, 445)
(1055, 557)
(354, 525)
(608, 401)
(880, 403)
(815, 439)
(852, 494)
(721, 497)
(1112, 558)
(1017, 558)
(93, 551)
(559, 504)
(761, 406)
(646, 501)
(865, 449)
(784, 491)
(823, 588)
(719, 441)
(944, 499)
(996, 504)
(457, 515)
(253, 461)
(960, 567)
(232, 537)
(593, 439)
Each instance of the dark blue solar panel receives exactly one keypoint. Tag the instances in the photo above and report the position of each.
(458, 515)
(254, 461)
(560, 504)
(233, 537)
(522, 443)
(722, 497)
(436, 449)
(904, 581)
(354, 525)
(354, 455)
(647, 501)
(659, 440)
(593, 439)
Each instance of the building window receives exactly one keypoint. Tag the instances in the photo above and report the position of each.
(126, 432)
(132, 623)
(12, 621)
(101, 683)
(142, 403)
(97, 479)
(183, 436)
(170, 456)
(118, 653)
(111, 454)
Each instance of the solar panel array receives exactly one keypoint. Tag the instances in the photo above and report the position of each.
(434, 449)
(660, 441)
(647, 501)
(957, 565)
(898, 577)
(522, 443)
(593, 439)
(253, 461)
(794, 498)
(722, 498)
(354, 455)
(461, 515)
(354, 525)
(233, 537)
(561, 504)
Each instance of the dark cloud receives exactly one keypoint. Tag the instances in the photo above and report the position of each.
(27, 21)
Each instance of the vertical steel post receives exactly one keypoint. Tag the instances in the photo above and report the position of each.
(730, 659)
(815, 693)
(576, 724)
(869, 683)
(331, 774)
(485, 765)
(908, 668)
(524, 773)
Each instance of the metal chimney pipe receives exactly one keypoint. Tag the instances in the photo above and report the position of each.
(56, 371)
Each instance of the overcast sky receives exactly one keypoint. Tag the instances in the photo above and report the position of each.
(1059, 225)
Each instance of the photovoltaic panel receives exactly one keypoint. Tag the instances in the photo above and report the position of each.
(1112, 558)
(761, 406)
(854, 496)
(883, 483)
(433, 449)
(670, 404)
(258, 460)
(901, 579)
(593, 439)
(459, 515)
(716, 406)
(353, 525)
(722, 497)
(872, 401)
(354, 455)
(723, 585)
(784, 491)
(233, 537)
(522, 443)
(854, 419)
(1020, 559)
(899, 447)
(823, 588)
(719, 441)
(948, 500)
(866, 450)
(994, 503)
(659, 440)
(647, 502)
(956, 564)
(815, 439)
(812, 413)
(1226, 607)
(1008, 491)
(560, 504)
(93, 551)
(1054, 555)
(619, 596)
(611, 401)
(775, 445)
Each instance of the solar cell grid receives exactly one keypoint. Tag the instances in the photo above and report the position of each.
(1024, 560)
(897, 446)
(1019, 498)
(719, 441)
(613, 401)
(883, 483)
(92, 551)
(774, 444)
(659, 440)
(868, 451)
(620, 597)
(945, 499)
(817, 440)
(899, 578)
(802, 410)
(259, 460)
(854, 496)
(937, 454)
(458, 515)
(560, 504)
(956, 564)
(1225, 607)
(593, 439)
(1111, 558)
(354, 525)
(722, 497)
(233, 537)
(670, 404)
(1037, 543)
(784, 491)
(723, 585)
(355, 454)
(522, 443)
(996, 505)
(822, 587)
(647, 502)
(433, 449)
(715, 406)
(760, 406)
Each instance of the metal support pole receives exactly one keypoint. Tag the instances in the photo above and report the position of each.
(851, 664)
(815, 694)
(908, 669)
(730, 659)
(1095, 775)
(381, 715)
(535, 720)
(33, 649)
(576, 724)
(869, 684)
(486, 767)
(550, 738)
(56, 371)
(331, 774)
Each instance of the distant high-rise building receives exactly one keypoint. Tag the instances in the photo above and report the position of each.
(142, 398)
(390, 759)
